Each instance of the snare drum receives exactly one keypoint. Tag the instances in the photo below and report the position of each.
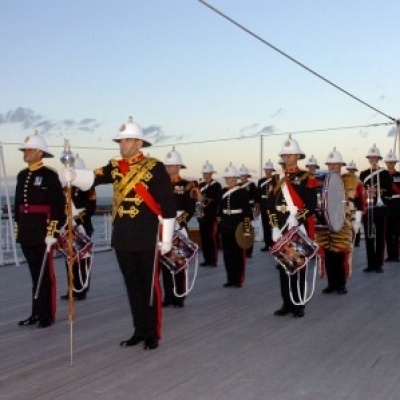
(331, 202)
(182, 252)
(294, 250)
(82, 244)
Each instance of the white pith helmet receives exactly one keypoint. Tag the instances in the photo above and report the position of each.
(208, 168)
(37, 142)
(391, 157)
(174, 158)
(374, 152)
(230, 172)
(334, 157)
(244, 171)
(269, 166)
(312, 162)
(351, 166)
(131, 130)
(79, 162)
(290, 146)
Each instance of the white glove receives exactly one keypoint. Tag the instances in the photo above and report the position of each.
(356, 226)
(50, 240)
(276, 234)
(292, 221)
(166, 235)
(303, 229)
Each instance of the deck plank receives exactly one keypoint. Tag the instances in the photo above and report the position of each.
(225, 344)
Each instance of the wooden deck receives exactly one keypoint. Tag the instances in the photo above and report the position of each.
(225, 344)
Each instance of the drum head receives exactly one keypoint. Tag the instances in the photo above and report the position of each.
(334, 201)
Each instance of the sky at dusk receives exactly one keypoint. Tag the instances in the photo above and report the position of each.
(77, 69)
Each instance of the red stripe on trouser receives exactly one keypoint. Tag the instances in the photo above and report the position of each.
(157, 302)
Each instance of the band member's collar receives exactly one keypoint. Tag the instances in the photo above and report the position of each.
(35, 166)
(290, 170)
(135, 158)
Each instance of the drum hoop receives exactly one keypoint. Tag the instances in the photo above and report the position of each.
(327, 211)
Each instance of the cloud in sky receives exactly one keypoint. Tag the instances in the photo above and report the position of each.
(254, 130)
(155, 134)
(392, 131)
(28, 119)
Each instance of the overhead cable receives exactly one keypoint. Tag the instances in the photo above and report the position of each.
(240, 26)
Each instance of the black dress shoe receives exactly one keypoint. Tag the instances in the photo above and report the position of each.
(29, 321)
(282, 311)
(237, 285)
(180, 304)
(133, 341)
(342, 291)
(204, 264)
(166, 303)
(64, 297)
(266, 248)
(151, 343)
(395, 259)
(45, 323)
(227, 284)
(327, 290)
(379, 270)
(298, 313)
(368, 269)
(213, 265)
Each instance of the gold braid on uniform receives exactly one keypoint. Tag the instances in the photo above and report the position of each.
(52, 228)
(182, 219)
(139, 173)
(273, 221)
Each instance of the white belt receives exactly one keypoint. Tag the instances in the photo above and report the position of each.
(229, 212)
(396, 196)
(283, 208)
(264, 196)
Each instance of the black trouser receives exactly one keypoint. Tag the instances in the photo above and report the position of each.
(45, 306)
(234, 258)
(392, 229)
(335, 269)
(180, 286)
(144, 293)
(285, 288)
(267, 232)
(374, 221)
(209, 240)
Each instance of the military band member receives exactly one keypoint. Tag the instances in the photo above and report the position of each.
(393, 220)
(294, 208)
(264, 197)
(234, 209)
(39, 214)
(185, 197)
(142, 196)
(209, 195)
(351, 170)
(251, 189)
(337, 246)
(312, 165)
(378, 188)
(84, 207)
